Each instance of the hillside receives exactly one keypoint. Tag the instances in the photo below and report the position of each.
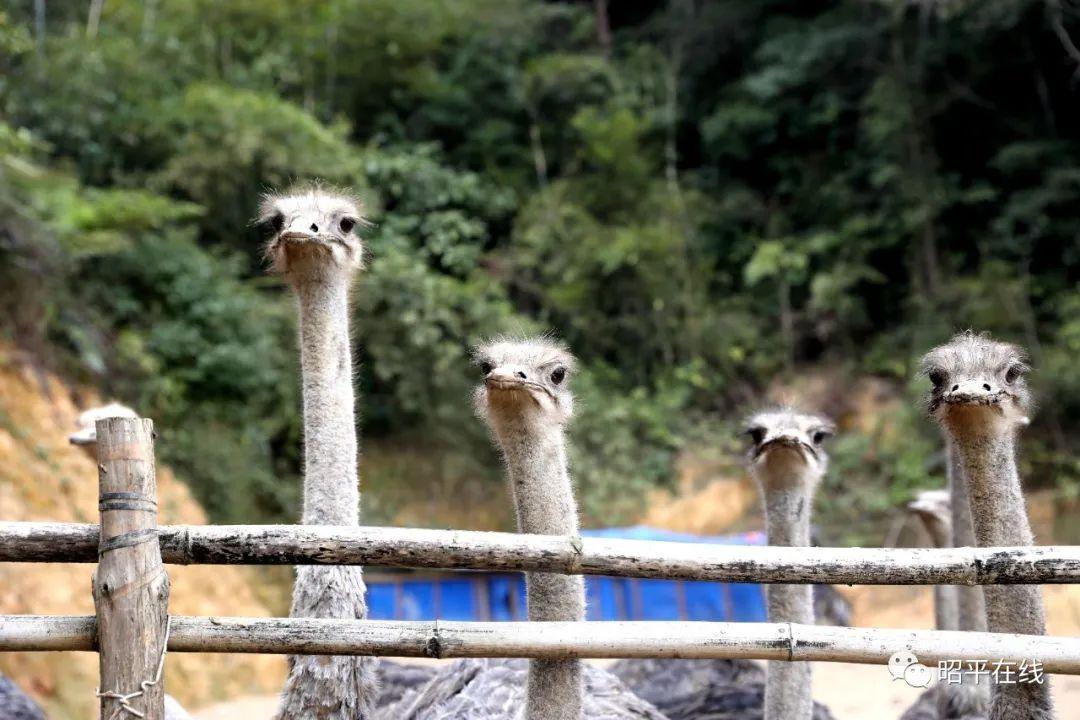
(42, 477)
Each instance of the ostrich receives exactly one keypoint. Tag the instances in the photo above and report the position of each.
(15, 704)
(314, 248)
(931, 508)
(952, 701)
(980, 397)
(526, 402)
(788, 461)
(86, 436)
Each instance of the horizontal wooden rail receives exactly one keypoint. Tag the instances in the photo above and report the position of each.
(762, 641)
(463, 549)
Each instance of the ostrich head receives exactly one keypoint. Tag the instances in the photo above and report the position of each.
(788, 444)
(977, 381)
(524, 380)
(932, 506)
(86, 436)
(311, 225)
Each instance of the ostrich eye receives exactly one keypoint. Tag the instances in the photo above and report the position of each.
(757, 434)
(347, 224)
(486, 367)
(937, 377)
(276, 222)
(558, 374)
(1013, 374)
(821, 436)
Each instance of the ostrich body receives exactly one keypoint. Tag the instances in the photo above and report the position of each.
(496, 689)
(663, 681)
(701, 689)
(788, 462)
(15, 704)
(526, 402)
(980, 398)
(315, 250)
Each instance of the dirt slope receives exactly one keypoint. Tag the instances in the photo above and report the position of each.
(42, 477)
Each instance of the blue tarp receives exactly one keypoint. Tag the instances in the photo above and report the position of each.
(501, 596)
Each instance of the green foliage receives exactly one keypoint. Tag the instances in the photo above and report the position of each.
(208, 358)
(731, 192)
(229, 145)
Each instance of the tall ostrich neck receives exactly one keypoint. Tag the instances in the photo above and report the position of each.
(987, 457)
(788, 500)
(331, 482)
(970, 600)
(322, 687)
(788, 497)
(945, 609)
(544, 502)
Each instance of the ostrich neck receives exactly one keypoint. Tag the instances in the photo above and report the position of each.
(970, 601)
(544, 503)
(788, 500)
(945, 607)
(331, 483)
(987, 462)
(322, 687)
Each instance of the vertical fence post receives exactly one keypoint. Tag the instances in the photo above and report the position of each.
(131, 589)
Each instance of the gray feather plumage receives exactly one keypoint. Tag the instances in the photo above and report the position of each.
(15, 704)
(487, 689)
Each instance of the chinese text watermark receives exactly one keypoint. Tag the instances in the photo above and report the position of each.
(903, 665)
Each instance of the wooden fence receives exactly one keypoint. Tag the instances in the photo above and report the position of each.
(132, 627)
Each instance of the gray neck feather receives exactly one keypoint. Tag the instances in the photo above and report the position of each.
(331, 482)
(788, 503)
(987, 458)
(960, 607)
(971, 603)
(544, 501)
(340, 687)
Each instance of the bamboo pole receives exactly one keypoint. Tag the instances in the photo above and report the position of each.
(131, 589)
(464, 549)
(641, 639)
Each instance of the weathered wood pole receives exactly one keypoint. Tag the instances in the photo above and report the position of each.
(131, 589)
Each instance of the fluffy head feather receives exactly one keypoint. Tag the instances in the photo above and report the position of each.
(524, 378)
(312, 223)
(973, 374)
(789, 433)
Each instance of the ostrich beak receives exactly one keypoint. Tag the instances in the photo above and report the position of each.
(918, 506)
(302, 229)
(788, 441)
(973, 391)
(83, 437)
(506, 378)
(510, 378)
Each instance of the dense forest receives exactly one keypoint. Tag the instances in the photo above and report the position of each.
(699, 196)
